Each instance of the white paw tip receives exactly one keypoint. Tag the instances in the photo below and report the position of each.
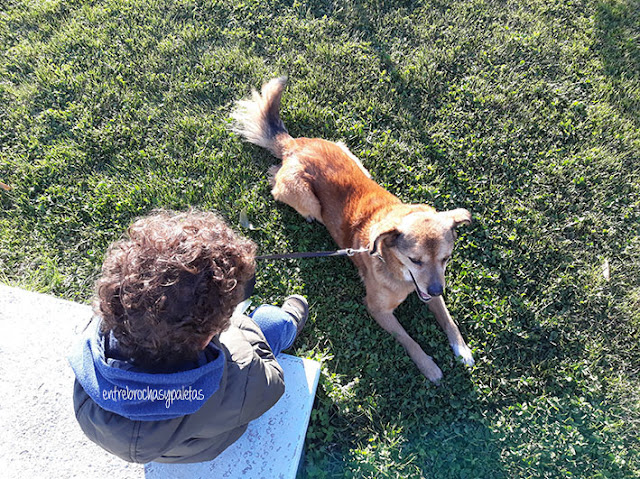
(464, 354)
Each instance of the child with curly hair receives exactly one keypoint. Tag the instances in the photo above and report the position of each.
(169, 373)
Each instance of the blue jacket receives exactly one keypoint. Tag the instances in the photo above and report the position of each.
(190, 415)
(118, 386)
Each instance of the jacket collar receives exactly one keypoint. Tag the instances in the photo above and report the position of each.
(117, 385)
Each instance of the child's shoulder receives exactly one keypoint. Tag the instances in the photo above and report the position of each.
(242, 339)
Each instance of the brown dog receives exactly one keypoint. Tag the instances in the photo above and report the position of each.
(409, 245)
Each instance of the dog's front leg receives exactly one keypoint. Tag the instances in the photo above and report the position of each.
(439, 309)
(425, 363)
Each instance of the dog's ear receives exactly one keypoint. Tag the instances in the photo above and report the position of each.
(387, 233)
(459, 216)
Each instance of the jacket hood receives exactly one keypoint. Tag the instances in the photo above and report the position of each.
(118, 386)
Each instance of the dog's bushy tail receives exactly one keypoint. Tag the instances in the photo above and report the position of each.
(258, 120)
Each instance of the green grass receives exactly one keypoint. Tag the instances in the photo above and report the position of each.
(525, 112)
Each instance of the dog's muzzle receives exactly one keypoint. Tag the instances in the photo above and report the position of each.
(421, 294)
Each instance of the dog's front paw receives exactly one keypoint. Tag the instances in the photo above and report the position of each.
(435, 376)
(463, 353)
(430, 370)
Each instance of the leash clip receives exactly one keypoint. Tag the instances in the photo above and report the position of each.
(351, 251)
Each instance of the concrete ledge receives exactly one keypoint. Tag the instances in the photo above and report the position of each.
(40, 435)
(272, 445)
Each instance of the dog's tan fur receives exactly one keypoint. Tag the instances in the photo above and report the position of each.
(409, 245)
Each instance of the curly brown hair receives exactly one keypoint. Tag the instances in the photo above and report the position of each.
(173, 280)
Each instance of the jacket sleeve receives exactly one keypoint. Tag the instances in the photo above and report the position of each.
(265, 380)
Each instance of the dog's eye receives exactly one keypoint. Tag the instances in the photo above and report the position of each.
(417, 262)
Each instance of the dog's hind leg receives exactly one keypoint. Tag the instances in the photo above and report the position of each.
(271, 174)
(290, 186)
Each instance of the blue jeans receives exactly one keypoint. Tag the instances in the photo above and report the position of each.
(278, 327)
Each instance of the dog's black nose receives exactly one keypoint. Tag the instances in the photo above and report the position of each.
(435, 289)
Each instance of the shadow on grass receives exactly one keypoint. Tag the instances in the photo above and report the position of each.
(532, 393)
(617, 25)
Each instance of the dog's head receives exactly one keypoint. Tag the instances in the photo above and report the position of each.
(421, 242)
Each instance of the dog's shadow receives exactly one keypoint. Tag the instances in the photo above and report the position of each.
(371, 386)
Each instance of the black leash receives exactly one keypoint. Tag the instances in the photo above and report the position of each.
(316, 254)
